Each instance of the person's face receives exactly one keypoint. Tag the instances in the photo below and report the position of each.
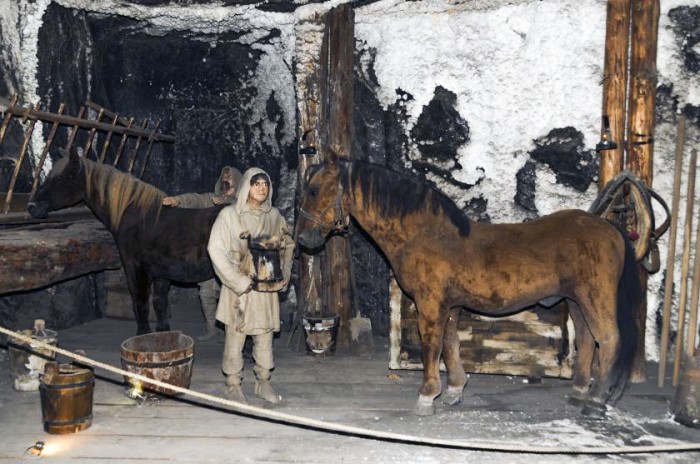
(258, 192)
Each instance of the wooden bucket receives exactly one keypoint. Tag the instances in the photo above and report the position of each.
(66, 398)
(686, 405)
(163, 356)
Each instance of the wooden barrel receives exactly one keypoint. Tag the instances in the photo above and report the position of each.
(686, 404)
(163, 356)
(66, 398)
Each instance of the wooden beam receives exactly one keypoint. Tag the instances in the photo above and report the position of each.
(611, 161)
(640, 137)
(339, 124)
(36, 256)
(309, 56)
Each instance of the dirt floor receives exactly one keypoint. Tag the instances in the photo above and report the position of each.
(358, 391)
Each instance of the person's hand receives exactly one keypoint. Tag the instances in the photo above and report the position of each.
(268, 287)
(170, 201)
(217, 200)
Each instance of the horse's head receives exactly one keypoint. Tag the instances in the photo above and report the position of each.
(322, 209)
(62, 187)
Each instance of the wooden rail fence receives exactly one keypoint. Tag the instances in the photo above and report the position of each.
(117, 125)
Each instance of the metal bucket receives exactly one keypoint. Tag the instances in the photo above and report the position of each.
(66, 398)
(164, 356)
(321, 334)
(266, 261)
(27, 360)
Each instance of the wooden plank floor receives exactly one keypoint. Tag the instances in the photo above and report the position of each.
(359, 391)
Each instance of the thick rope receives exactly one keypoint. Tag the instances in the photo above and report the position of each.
(295, 420)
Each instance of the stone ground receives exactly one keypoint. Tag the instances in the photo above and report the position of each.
(354, 390)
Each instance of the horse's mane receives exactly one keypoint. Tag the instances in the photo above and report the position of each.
(116, 190)
(396, 194)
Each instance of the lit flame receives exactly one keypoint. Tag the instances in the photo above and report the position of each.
(135, 390)
(53, 448)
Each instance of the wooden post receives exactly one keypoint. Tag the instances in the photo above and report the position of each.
(671, 256)
(137, 145)
(309, 56)
(108, 138)
(685, 265)
(20, 158)
(45, 151)
(339, 123)
(91, 134)
(74, 129)
(640, 137)
(150, 147)
(611, 161)
(8, 116)
(122, 144)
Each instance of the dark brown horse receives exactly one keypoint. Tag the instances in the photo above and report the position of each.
(157, 245)
(446, 262)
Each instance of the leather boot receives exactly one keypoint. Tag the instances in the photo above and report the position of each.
(235, 393)
(264, 390)
(233, 389)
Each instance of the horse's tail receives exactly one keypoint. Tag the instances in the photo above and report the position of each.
(630, 297)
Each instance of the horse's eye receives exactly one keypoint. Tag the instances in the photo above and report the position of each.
(313, 192)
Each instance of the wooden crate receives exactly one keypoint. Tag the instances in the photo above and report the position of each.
(533, 343)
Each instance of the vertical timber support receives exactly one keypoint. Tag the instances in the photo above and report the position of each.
(324, 76)
(640, 138)
(309, 55)
(339, 124)
(611, 160)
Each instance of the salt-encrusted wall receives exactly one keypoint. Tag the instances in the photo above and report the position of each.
(495, 102)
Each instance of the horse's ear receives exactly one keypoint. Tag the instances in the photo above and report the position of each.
(73, 159)
(331, 157)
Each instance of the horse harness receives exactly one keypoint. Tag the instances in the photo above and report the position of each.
(340, 222)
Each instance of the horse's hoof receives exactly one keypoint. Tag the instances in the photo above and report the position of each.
(164, 328)
(424, 406)
(576, 399)
(594, 410)
(452, 396)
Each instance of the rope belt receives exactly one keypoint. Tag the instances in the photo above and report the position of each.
(325, 426)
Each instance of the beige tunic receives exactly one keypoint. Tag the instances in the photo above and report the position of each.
(249, 312)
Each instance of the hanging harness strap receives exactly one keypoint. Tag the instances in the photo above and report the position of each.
(627, 202)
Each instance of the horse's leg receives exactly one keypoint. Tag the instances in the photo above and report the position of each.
(605, 333)
(456, 377)
(160, 304)
(137, 281)
(431, 326)
(585, 347)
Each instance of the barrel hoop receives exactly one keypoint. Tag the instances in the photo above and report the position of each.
(62, 386)
(69, 422)
(157, 364)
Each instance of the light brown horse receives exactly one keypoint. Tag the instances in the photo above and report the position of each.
(446, 262)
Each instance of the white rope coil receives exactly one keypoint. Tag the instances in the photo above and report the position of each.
(291, 419)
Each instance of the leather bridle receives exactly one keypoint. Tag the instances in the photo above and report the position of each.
(340, 222)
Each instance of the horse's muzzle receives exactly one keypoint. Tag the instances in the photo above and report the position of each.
(38, 210)
(311, 238)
